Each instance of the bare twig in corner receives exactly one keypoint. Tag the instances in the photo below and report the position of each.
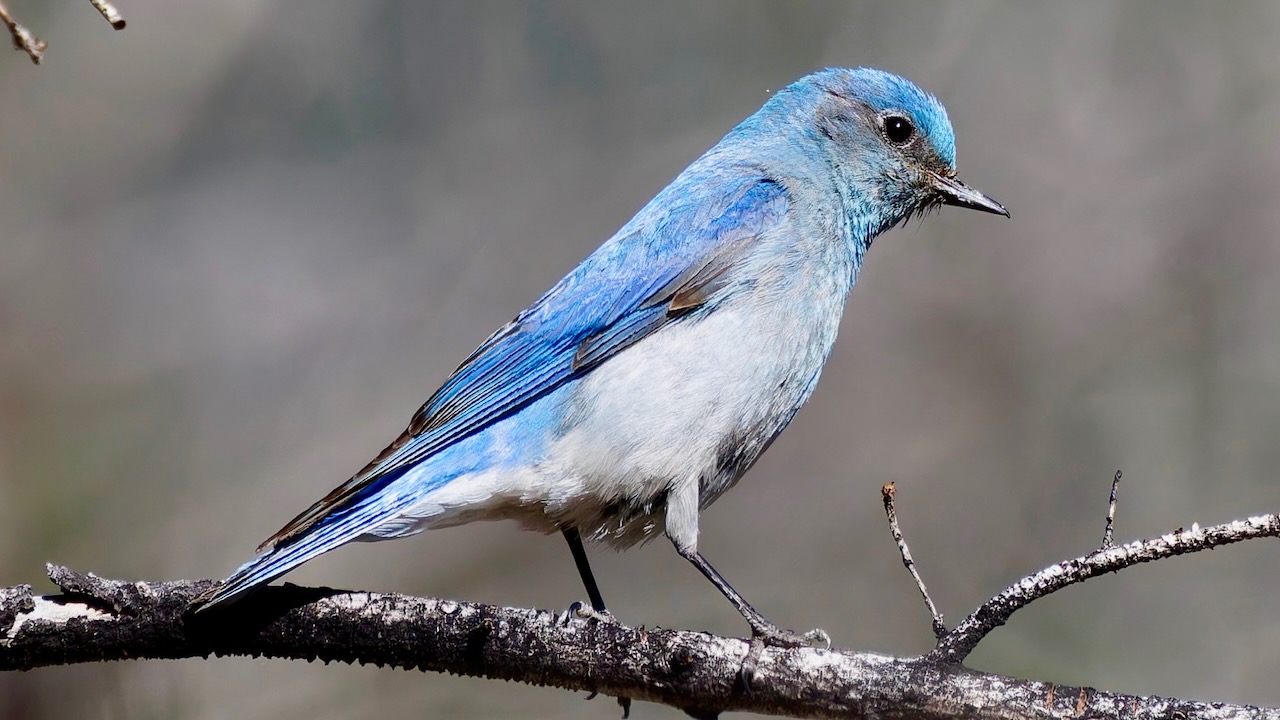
(887, 493)
(110, 13)
(1107, 544)
(962, 639)
(23, 40)
(34, 47)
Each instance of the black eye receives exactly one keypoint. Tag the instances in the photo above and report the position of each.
(898, 129)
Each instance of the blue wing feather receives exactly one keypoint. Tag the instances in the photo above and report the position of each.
(670, 260)
(618, 295)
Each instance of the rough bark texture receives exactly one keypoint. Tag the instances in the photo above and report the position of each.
(95, 619)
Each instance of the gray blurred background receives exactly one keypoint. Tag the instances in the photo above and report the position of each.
(240, 243)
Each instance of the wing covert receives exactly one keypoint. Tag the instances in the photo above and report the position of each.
(654, 271)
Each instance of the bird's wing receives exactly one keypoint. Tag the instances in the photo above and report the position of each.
(657, 269)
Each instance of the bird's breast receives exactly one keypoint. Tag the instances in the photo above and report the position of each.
(696, 402)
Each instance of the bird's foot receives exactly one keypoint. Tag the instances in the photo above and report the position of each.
(773, 636)
(582, 611)
(765, 634)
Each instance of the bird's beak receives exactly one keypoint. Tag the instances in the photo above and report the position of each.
(956, 193)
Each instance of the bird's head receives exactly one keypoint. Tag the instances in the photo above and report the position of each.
(888, 141)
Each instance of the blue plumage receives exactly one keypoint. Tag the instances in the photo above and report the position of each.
(647, 381)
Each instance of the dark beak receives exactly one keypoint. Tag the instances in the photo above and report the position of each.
(956, 193)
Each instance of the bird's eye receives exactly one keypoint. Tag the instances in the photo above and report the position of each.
(898, 129)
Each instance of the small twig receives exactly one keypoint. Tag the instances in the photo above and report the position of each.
(23, 40)
(962, 639)
(1107, 544)
(110, 13)
(939, 626)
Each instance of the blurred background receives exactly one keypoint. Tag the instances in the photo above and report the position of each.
(241, 242)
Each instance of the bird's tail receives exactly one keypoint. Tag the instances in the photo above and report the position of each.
(342, 527)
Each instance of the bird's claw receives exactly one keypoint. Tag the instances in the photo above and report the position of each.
(774, 636)
(769, 635)
(818, 638)
(581, 611)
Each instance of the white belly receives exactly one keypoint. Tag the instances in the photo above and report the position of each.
(676, 418)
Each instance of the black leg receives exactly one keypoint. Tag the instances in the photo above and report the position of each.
(572, 537)
(584, 568)
(760, 627)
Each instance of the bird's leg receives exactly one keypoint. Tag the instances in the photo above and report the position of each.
(761, 628)
(598, 610)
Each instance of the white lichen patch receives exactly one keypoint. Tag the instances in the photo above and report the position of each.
(813, 661)
(55, 612)
(343, 605)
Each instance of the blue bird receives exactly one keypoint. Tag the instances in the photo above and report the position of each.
(641, 387)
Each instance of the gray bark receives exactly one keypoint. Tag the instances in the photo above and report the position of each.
(96, 619)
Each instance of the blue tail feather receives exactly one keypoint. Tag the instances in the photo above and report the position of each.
(328, 534)
(372, 508)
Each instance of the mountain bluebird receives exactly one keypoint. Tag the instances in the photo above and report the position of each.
(643, 385)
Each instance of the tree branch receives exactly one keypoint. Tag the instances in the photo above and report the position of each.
(955, 645)
(961, 640)
(95, 619)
